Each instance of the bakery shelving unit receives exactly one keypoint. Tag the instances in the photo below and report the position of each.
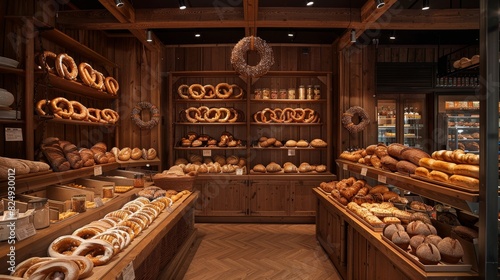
(463, 133)
(247, 197)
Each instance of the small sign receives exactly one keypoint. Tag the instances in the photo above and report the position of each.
(291, 152)
(207, 153)
(98, 202)
(97, 170)
(13, 134)
(128, 272)
(24, 231)
(364, 170)
(239, 171)
(382, 179)
(344, 166)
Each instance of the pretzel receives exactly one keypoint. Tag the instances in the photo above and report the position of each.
(287, 115)
(257, 117)
(266, 115)
(94, 114)
(309, 115)
(210, 117)
(111, 85)
(109, 115)
(44, 58)
(80, 112)
(42, 107)
(99, 80)
(209, 91)
(66, 66)
(203, 110)
(276, 115)
(61, 107)
(237, 91)
(190, 117)
(224, 114)
(182, 90)
(86, 73)
(223, 90)
(299, 115)
(196, 91)
(234, 115)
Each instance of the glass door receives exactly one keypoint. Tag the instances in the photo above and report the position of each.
(386, 121)
(413, 123)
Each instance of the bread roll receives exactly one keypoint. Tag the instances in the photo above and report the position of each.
(422, 171)
(443, 166)
(306, 167)
(426, 162)
(451, 250)
(379, 189)
(302, 143)
(401, 239)
(273, 167)
(406, 167)
(125, 154)
(290, 168)
(464, 181)
(259, 168)
(381, 151)
(389, 230)
(467, 170)
(438, 176)
(388, 195)
(318, 143)
(428, 254)
(115, 151)
(370, 150)
(321, 168)
(375, 161)
(151, 154)
(291, 143)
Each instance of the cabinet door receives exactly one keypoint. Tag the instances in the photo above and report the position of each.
(202, 201)
(269, 198)
(303, 200)
(225, 198)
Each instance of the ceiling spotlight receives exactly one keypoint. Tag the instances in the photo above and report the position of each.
(182, 4)
(309, 3)
(119, 3)
(290, 34)
(379, 3)
(197, 35)
(425, 5)
(149, 36)
(393, 35)
(353, 36)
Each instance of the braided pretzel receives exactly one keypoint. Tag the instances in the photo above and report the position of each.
(224, 114)
(237, 91)
(80, 112)
(182, 90)
(210, 116)
(109, 115)
(299, 115)
(196, 91)
(287, 115)
(223, 90)
(276, 115)
(86, 73)
(192, 118)
(66, 66)
(94, 114)
(61, 107)
(42, 107)
(209, 91)
(111, 85)
(99, 80)
(203, 110)
(257, 117)
(309, 116)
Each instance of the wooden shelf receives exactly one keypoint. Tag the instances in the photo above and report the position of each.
(138, 162)
(209, 148)
(208, 123)
(288, 148)
(11, 121)
(77, 88)
(35, 182)
(288, 124)
(211, 100)
(453, 197)
(74, 122)
(298, 101)
(10, 70)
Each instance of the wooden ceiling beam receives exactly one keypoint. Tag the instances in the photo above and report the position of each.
(272, 17)
(250, 10)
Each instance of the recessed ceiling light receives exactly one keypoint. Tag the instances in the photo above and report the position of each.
(119, 3)
(149, 36)
(182, 4)
(392, 36)
(197, 35)
(290, 34)
(425, 5)
(353, 36)
(379, 3)
(309, 3)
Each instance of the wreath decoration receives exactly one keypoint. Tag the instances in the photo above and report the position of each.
(239, 53)
(347, 119)
(155, 115)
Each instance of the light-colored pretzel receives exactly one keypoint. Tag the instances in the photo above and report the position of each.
(212, 115)
(225, 113)
(42, 107)
(80, 112)
(209, 91)
(299, 115)
(237, 91)
(276, 115)
(66, 66)
(201, 116)
(111, 85)
(86, 73)
(47, 60)
(94, 114)
(182, 91)
(223, 90)
(196, 91)
(191, 114)
(61, 107)
(99, 80)
(234, 115)
(287, 115)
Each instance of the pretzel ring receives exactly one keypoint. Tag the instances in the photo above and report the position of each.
(24, 269)
(234, 115)
(189, 111)
(210, 116)
(203, 110)
(223, 90)
(61, 107)
(98, 251)
(224, 115)
(66, 66)
(114, 239)
(87, 232)
(287, 115)
(86, 73)
(94, 114)
(132, 225)
(109, 115)
(111, 85)
(257, 117)
(276, 115)
(237, 91)
(99, 80)
(126, 229)
(45, 58)
(299, 115)
(266, 119)
(64, 245)
(196, 91)
(80, 112)
(66, 269)
(183, 92)
(209, 91)
(310, 115)
(42, 107)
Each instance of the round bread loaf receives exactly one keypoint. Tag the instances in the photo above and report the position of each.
(433, 239)
(401, 239)
(415, 241)
(291, 143)
(419, 227)
(370, 150)
(428, 254)
(390, 229)
(451, 250)
(318, 143)
(259, 168)
(136, 153)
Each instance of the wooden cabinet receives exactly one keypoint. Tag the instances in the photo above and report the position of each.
(269, 198)
(302, 203)
(225, 198)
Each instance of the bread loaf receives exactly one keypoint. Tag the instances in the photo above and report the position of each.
(414, 155)
(290, 168)
(370, 150)
(389, 162)
(124, 154)
(273, 167)
(291, 143)
(428, 254)
(422, 171)
(467, 170)
(401, 239)
(136, 153)
(438, 176)
(466, 233)
(318, 143)
(379, 189)
(426, 162)
(395, 150)
(451, 250)
(375, 161)
(259, 168)
(56, 158)
(381, 151)
(443, 166)
(302, 143)
(406, 167)
(464, 181)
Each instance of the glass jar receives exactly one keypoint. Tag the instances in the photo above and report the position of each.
(302, 92)
(266, 93)
(291, 93)
(309, 92)
(317, 92)
(40, 208)
(78, 203)
(257, 94)
(139, 180)
(108, 191)
(274, 93)
(283, 93)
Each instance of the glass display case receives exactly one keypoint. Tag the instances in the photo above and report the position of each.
(401, 119)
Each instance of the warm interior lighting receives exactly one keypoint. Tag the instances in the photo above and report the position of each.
(309, 3)
(393, 36)
(197, 35)
(379, 3)
(119, 3)
(182, 5)
(290, 34)
(149, 36)
(425, 5)
(353, 36)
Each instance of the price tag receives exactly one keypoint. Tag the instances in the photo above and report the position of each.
(98, 202)
(169, 209)
(344, 166)
(291, 152)
(128, 272)
(97, 170)
(382, 179)
(364, 170)
(239, 171)
(13, 134)
(207, 153)
(24, 231)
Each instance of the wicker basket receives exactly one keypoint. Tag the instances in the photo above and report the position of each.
(174, 182)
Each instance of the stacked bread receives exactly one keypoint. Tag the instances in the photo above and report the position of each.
(454, 167)
(289, 168)
(136, 153)
(21, 167)
(215, 164)
(226, 139)
(466, 62)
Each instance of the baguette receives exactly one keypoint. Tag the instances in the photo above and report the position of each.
(438, 176)
(464, 181)
(443, 166)
(426, 162)
(467, 170)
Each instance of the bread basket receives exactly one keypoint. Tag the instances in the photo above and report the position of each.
(174, 182)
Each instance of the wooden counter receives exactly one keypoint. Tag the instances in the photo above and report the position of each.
(361, 253)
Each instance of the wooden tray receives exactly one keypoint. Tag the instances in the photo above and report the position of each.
(378, 228)
(444, 184)
(441, 266)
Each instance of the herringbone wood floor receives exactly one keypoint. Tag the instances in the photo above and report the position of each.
(257, 251)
